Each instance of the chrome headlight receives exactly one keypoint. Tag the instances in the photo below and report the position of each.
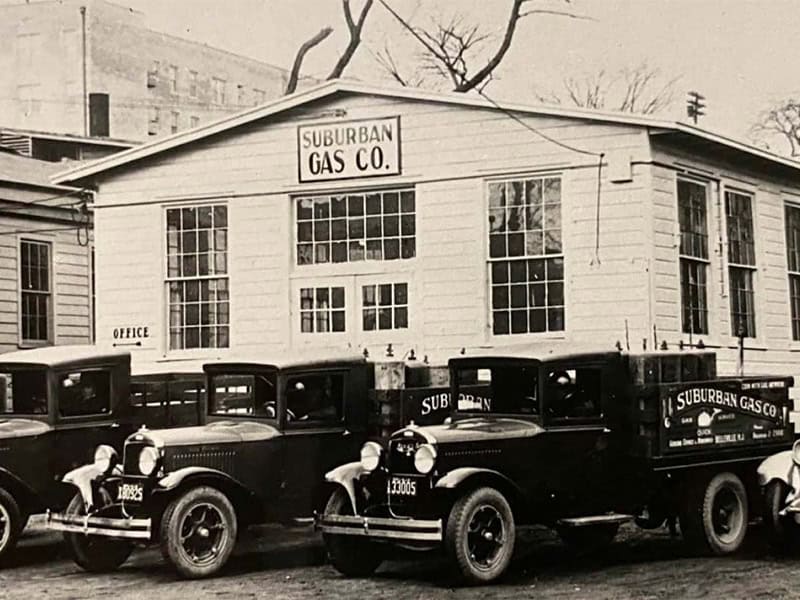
(796, 453)
(148, 460)
(105, 458)
(425, 458)
(371, 456)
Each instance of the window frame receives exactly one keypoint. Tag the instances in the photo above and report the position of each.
(748, 269)
(296, 425)
(101, 416)
(346, 309)
(793, 275)
(690, 260)
(50, 294)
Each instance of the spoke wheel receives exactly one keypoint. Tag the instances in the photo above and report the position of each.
(351, 555)
(480, 536)
(714, 517)
(11, 523)
(94, 553)
(198, 532)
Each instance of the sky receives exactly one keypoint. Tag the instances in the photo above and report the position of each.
(739, 54)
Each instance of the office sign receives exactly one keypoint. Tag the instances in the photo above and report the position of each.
(348, 149)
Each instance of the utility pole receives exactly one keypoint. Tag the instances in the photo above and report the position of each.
(85, 99)
(695, 106)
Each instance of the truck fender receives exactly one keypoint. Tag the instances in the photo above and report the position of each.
(458, 476)
(176, 478)
(778, 466)
(82, 478)
(16, 485)
(345, 476)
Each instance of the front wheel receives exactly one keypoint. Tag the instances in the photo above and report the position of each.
(94, 553)
(11, 523)
(714, 518)
(480, 535)
(783, 532)
(198, 532)
(350, 555)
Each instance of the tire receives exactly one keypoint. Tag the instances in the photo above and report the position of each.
(715, 514)
(94, 553)
(783, 532)
(198, 532)
(11, 523)
(350, 555)
(480, 536)
(588, 539)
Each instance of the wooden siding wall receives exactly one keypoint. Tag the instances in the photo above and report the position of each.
(70, 285)
(448, 153)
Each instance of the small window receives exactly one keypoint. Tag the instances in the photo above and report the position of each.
(315, 398)
(173, 79)
(173, 126)
(322, 310)
(384, 306)
(84, 393)
(36, 291)
(23, 393)
(193, 84)
(573, 393)
(194, 121)
(242, 395)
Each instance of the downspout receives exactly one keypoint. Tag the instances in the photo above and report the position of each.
(83, 66)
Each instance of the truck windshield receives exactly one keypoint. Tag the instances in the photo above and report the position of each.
(23, 392)
(501, 390)
(243, 395)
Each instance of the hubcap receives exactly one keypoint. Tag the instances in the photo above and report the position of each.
(486, 536)
(203, 533)
(727, 515)
(5, 526)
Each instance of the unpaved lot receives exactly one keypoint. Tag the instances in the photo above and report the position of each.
(277, 563)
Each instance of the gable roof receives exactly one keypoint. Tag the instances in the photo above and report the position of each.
(335, 86)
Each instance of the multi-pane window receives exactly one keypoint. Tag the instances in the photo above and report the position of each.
(35, 291)
(741, 262)
(197, 277)
(693, 255)
(793, 259)
(172, 73)
(526, 261)
(356, 227)
(193, 84)
(322, 310)
(384, 306)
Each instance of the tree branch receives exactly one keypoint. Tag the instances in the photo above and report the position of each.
(355, 29)
(291, 85)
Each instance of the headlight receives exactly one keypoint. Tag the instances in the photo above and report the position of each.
(425, 458)
(148, 460)
(105, 458)
(796, 453)
(370, 456)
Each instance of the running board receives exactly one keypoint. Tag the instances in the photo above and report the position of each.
(609, 519)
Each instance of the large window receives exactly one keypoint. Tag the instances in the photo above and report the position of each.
(384, 306)
(526, 259)
(693, 255)
(356, 227)
(322, 310)
(197, 277)
(793, 259)
(741, 263)
(36, 295)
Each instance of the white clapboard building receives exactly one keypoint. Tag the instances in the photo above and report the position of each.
(352, 215)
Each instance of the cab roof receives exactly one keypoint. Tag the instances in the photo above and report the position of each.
(56, 356)
(303, 360)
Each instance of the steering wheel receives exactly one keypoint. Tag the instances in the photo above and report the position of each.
(271, 410)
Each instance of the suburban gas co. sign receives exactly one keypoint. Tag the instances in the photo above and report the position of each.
(349, 149)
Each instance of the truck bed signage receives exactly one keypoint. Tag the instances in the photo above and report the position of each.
(348, 149)
(723, 413)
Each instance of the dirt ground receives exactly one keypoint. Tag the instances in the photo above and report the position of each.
(289, 563)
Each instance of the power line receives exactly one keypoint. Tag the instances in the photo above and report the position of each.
(41, 230)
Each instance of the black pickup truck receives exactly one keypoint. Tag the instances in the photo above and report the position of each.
(580, 443)
(57, 404)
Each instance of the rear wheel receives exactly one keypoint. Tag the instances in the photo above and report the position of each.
(480, 535)
(198, 532)
(783, 532)
(714, 518)
(350, 555)
(94, 553)
(11, 523)
(588, 539)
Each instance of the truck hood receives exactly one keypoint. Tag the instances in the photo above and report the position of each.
(16, 428)
(219, 432)
(481, 430)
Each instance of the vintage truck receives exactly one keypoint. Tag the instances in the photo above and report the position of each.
(273, 429)
(580, 443)
(57, 404)
(779, 478)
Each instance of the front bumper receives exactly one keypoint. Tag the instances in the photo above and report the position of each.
(130, 529)
(417, 530)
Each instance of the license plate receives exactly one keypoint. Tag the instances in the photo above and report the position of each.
(402, 486)
(130, 492)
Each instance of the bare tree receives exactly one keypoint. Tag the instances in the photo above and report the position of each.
(452, 46)
(783, 121)
(354, 27)
(640, 89)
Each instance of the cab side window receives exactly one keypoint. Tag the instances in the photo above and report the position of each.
(315, 398)
(574, 393)
(84, 393)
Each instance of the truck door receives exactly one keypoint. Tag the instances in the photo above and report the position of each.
(576, 433)
(315, 437)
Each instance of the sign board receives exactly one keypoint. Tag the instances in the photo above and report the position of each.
(430, 405)
(348, 149)
(724, 414)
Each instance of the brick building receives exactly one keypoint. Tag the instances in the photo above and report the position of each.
(91, 67)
